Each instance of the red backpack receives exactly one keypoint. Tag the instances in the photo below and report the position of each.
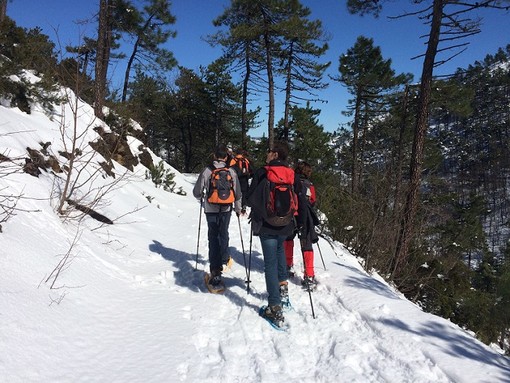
(282, 200)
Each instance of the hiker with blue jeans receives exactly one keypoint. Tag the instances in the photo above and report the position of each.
(275, 267)
(271, 236)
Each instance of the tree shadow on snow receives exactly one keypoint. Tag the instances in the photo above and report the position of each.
(457, 345)
(363, 281)
(186, 275)
(190, 272)
(255, 263)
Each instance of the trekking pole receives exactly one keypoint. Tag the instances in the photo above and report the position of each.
(322, 259)
(199, 224)
(249, 263)
(308, 287)
(242, 246)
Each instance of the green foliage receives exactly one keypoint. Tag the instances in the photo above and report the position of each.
(148, 28)
(475, 311)
(22, 49)
(70, 76)
(27, 49)
(161, 177)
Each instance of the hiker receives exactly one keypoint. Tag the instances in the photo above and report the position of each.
(306, 234)
(272, 236)
(218, 212)
(242, 165)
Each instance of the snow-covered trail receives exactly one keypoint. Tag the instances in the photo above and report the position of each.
(338, 345)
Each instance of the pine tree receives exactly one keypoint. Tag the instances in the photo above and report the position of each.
(369, 78)
(303, 43)
(147, 28)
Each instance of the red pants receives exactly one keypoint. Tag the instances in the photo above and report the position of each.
(307, 255)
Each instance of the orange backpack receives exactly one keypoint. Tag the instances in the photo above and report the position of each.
(242, 163)
(221, 187)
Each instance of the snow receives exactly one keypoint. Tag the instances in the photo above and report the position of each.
(130, 305)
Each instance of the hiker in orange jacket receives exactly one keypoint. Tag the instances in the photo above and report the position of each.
(242, 166)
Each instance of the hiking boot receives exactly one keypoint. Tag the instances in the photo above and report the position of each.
(215, 281)
(291, 272)
(309, 283)
(284, 295)
(284, 290)
(274, 315)
(215, 278)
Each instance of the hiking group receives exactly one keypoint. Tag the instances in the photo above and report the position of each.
(281, 201)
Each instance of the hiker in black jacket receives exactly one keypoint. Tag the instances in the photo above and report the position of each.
(307, 235)
(271, 236)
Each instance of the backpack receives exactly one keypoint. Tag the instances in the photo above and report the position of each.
(242, 163)
(282, 200)
(308, 190)
(221, 187)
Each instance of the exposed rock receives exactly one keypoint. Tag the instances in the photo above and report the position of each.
(146, 159)
(31, 168)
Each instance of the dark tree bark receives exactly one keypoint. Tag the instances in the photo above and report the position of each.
(3, 10)
(244, 106)
(422, 121)
(104, 43)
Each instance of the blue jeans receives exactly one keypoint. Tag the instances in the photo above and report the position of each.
(218, 239)
(275, 266)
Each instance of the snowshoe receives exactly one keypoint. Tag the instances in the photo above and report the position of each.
(309, 283)
(214, 284)
(274, 316)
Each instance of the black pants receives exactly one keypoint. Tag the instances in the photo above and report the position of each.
(218, 224)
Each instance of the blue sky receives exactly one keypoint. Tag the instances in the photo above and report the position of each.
(399, 39)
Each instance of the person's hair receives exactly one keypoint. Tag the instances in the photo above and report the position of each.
(304, 168)
(282, 149)
(221, 151)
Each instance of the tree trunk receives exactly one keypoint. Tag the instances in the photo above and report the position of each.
(400, 154)
(128, 69)
(355, 136)
(133, 55)
(3, 10)
(104, 42)
(411, 208)
(287, 95)
(270, 81)
(244, 123)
